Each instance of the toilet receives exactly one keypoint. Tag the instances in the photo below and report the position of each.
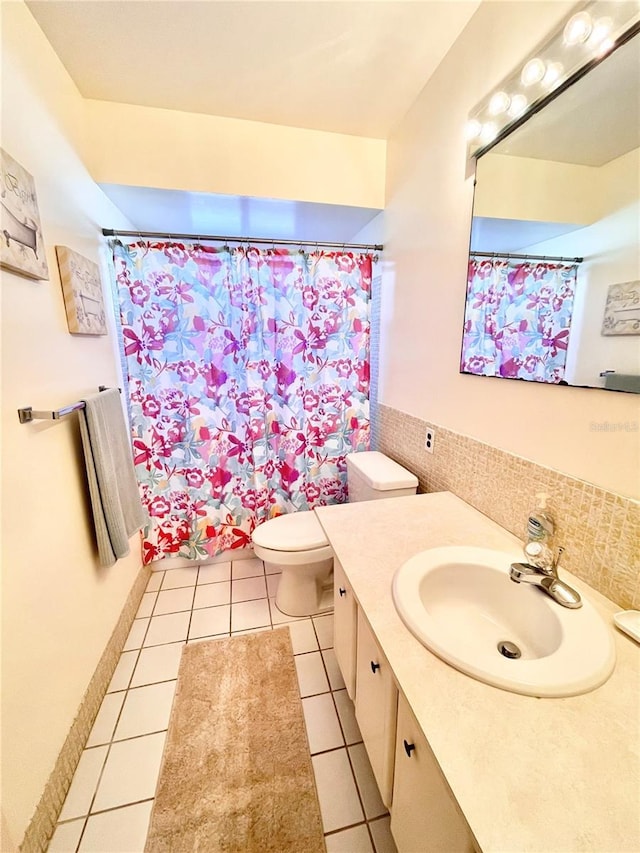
(296, 545)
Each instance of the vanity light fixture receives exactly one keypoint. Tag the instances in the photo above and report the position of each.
(592, 30)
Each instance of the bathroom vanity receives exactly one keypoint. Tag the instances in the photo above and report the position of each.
(463, 765)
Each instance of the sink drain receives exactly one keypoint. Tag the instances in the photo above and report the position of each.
(508, 649)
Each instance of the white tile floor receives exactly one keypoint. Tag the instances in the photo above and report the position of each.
(109, 803)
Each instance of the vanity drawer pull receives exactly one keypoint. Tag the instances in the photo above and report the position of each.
(408, 748)
(374, 666)
(342, 591)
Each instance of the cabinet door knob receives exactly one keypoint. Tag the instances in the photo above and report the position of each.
(374, 666)
(342, 591)
(408, 748)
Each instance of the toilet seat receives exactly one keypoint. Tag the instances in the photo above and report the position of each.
(297, 531)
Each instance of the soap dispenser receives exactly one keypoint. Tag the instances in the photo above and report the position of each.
(540, 527)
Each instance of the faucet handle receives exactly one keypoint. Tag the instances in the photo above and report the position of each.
(556, 561)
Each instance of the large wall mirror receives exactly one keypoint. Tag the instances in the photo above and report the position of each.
(553, 293)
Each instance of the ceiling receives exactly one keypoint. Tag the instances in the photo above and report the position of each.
(176, 212)
(335, 65)
(490, 234)
(331, 65)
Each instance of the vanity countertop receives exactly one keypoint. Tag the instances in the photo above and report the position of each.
(529, 774)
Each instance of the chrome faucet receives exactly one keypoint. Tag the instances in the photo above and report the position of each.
(546, 577)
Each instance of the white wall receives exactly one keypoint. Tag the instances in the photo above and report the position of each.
(58, 607)
(610, 248)
(539, 190)
(610, 251)
(372, 233)
(149, 147)
(427, 220)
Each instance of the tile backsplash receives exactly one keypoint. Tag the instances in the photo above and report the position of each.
(599, 530)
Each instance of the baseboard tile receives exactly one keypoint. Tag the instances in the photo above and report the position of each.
(42, 824)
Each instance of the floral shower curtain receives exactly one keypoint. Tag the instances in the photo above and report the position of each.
(248, 382)
(517, 319)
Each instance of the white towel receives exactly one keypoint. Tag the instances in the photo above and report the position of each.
(115, 500)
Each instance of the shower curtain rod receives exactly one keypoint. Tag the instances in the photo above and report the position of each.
(526, 257)
(111, 232)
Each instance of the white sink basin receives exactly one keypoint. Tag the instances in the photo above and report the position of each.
(461, 604)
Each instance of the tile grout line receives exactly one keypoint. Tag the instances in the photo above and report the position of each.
(106, 757)
(112, 740)
(271, 608)
(109, 745)
(345, 746)
(366, 821)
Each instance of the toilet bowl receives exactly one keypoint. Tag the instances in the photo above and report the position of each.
(296, 545)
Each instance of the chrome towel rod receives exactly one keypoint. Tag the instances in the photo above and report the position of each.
(26, 414)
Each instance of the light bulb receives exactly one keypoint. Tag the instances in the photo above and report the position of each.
(600, 33)
(605, 46)
(499, 103)
(472, 129)
(518, 105)
(600, 40)
(578, 29)
(489, 132)
(533, 72)
(552, 75)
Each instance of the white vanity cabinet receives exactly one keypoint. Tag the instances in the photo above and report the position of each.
(344, 627)
(376, 707)
(424, 816)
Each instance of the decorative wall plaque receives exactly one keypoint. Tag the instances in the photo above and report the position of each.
(22, 247)
(82, 291)
(622, 311)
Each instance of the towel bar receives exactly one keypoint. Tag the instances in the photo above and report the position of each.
(26, 414)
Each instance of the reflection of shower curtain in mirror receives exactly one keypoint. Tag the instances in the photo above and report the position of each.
(517, 319)
(248, 380)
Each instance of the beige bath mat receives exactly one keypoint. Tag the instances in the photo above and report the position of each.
(236, 773)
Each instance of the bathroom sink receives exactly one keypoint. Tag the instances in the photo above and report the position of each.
(461, 604)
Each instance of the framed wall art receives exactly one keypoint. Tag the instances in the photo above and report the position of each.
(82, 292)
(622, 310)
(22, 247)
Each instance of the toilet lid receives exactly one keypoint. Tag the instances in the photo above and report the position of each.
(297, 531)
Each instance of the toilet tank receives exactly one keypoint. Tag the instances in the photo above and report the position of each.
(373, 476)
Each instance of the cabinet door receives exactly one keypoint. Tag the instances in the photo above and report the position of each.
(376, 706)
(425, 816)
(344, 628)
